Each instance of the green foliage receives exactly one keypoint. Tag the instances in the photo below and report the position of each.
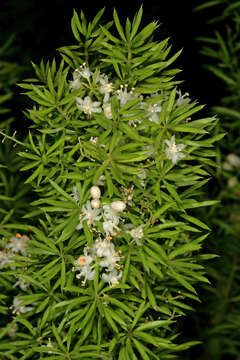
(104, 157)
(221, 336)
(13, 200)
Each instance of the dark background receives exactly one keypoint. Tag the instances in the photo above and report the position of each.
(43, 26)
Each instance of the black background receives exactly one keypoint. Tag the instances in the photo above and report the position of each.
(43, 26)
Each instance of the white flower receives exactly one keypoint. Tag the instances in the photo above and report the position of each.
(182, 99)
(124, 96)
(152, 111)
(227, 166)
(87, 273)
(142, 175)
(110, 228)
(103, 248)
(137, 234)
(93, 140)
(173, 151)
(5, 258)
(150, 150)
(18, 309)
(18, 244)
(232, 182)
(84, 260)
(107, 110)
(85, 71)
(12, 330)
(82, 264)
(112, 277)
(101, 180)
(87, 105)
(76, 83)
(106, 87)
(110, 262)
(95, 192)
(89, 214)
(49, 344)
(75, 195)
(22, 284)
(234, 160)
(95, 203)
(111, 214)
(118, 205)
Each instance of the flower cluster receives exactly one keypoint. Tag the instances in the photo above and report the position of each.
(104, 250)
(17, 244)
(5, 258)
(93, 211)
(83, 77)
(18, 308)
(104, 217)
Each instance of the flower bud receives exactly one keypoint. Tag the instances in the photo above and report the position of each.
(95, 203)
(227, 166)
(232, 182)
(118, 205)
(95, 192)
(234, 160)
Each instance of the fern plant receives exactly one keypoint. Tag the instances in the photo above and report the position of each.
(116, 158)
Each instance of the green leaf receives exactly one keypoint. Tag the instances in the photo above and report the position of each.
(207, 5)
(183, 249)
(187, 128)
(142, 308)
(195, 221)
(56, 144)
(182, 281)
(141, 349)
(63, 274)
(118, 25)
(109, 184)
(88, 316)
(62, 192)
(70, 228)
(26, 323)
(109, 319)
(130, 351)
(41, 236)
(136, 22)
(162, 210)
(110, 36)
(221, 74)
(154, 324)
(126, 268)
(227, 112)
(120, 304)
(58, 338)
